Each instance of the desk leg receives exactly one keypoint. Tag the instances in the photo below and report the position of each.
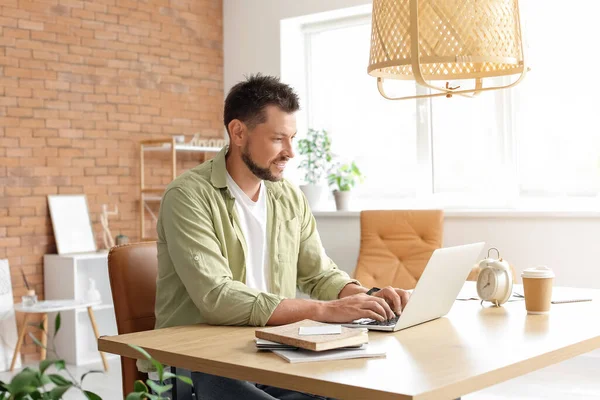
(44, 337)
(95, 328)
(20, 341)
(180, 390)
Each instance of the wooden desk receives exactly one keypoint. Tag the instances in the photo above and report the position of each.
(470, 349)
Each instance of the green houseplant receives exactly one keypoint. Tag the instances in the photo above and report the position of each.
(341, 180)
(40, 384)
(316, 152)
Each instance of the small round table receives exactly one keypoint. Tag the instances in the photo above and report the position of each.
(48, 306)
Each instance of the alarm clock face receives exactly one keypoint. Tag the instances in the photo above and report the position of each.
(487, 284)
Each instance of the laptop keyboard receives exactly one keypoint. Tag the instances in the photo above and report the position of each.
(369, 321)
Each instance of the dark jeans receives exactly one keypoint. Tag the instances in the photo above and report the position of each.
(212, 387)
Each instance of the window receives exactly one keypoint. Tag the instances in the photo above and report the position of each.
(539, 139)
(378, 134)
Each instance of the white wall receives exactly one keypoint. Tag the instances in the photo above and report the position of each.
(566, 242)
(251, 32)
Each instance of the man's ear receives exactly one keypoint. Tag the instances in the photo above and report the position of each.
(237, 132)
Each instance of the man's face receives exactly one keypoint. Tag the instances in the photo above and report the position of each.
(268, 146)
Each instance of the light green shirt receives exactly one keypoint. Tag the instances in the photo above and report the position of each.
(201, 253)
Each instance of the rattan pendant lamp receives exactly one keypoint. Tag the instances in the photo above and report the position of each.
(444, 40)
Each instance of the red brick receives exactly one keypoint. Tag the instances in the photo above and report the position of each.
(32, 123)
(125, 55)
(16, 33)
(8, 101)
(43, 55)
(19, 153)
(57, 105)
(57, 85)
(45, 133)
(43, 36)
(58, 123)
(70, 133)
(45, 94)
(76, 87)
(105, 89)
(84, 14)
(118, 117)
(95, 98)
(46, 114)
(31, 83)
(106, 17)
(10, 242)
(104, 35)
(45, 190)
(32, 142)
(17, 92)
(31, 103)
(19, 112)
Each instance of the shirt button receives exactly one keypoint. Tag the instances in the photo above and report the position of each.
(196, 258)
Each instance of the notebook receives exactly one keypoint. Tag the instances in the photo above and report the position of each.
(289, 334)
(262, 344)
(302, 356)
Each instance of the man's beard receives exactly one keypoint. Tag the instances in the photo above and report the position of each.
(260, 172)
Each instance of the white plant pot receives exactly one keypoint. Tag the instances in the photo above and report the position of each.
(342, 200)
(314, 194)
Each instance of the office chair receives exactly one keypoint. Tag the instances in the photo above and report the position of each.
(132, 270)
(395, 246)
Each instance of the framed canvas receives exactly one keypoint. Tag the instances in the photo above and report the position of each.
(8, 324)
(71, 223)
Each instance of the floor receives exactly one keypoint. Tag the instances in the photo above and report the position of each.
(574, 379)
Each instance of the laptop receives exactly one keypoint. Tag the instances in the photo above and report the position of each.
(436, 290)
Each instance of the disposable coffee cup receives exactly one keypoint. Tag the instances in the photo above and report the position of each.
(537, 284)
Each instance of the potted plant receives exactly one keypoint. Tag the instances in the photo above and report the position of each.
(342, 180)
(44, 383)
(316, 150)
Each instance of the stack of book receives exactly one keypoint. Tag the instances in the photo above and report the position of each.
(308, 341)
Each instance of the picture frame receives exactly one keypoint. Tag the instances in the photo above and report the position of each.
(71, 223)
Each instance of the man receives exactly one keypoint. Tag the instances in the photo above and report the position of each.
(235, 239)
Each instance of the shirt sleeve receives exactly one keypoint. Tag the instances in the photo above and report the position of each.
(195, 251)
(318, 276)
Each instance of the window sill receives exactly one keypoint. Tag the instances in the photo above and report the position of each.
(483, 213)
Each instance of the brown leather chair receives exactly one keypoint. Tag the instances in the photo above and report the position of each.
(395, 246)
(132, 270)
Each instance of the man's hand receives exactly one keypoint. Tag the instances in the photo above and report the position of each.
(354, 307)
(395, 298)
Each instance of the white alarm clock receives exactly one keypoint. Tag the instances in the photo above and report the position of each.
(495, 282)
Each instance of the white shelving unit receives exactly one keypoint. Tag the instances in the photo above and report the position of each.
(66, 277)
(155, 195)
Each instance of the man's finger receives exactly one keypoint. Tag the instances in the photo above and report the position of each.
(393, 298)
(404, 296)
(376, 307)
(378, 297)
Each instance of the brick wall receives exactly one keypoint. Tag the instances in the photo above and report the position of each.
(81, 83)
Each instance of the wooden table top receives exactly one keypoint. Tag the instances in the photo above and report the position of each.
(473, 347)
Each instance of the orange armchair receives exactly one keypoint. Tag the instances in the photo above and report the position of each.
(395, 246)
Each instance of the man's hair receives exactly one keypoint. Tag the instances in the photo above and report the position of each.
(248, 99)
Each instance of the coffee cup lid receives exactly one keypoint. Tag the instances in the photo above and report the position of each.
(537, 272)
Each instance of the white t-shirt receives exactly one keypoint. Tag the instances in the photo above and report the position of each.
(253, 222)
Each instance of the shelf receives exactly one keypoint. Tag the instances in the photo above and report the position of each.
(183, 147)
(153, 191)
(152, 198)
